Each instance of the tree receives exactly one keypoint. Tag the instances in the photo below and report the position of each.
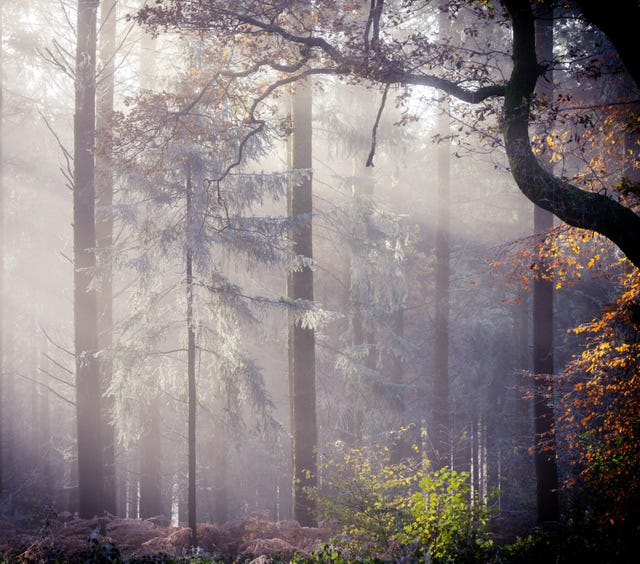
(2, 312)
(104, 233)
(302, 361)
(362, 45)
(88, 381)
(543, 403)
(441, 402)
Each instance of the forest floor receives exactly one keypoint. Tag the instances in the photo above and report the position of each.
(71, 539)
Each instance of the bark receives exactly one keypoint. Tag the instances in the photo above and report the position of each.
(151, 464)
(2, 311)
(191, 373)
(150, 442)
(572, 205)
(88, 390)
(302, 362)
(104, 235)
(442, 420)
(221, 467)
(543, 416)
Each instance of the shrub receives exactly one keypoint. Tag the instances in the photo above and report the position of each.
(400, 510)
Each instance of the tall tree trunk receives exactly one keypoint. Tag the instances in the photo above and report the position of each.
(442, 419)
(544, 421)
(150, 441)
(191, 370)
(88, 389)
(302, 362)
(2, 310)
(362, 338)
(104, 236)
(221, 467)
(150, 464)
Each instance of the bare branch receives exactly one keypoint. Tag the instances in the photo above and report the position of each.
(67, 400)
(374, 132)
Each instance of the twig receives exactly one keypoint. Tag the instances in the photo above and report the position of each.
(45, 386)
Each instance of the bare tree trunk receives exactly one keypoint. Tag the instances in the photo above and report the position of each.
(191, 371)
(150, 445)
(104, 236)
(442, 419)
(150, 465)
(88, 389)
(220, 465)
(3, 445)
(302, 362)
(544, 420)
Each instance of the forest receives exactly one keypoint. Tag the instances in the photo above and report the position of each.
(330, 281)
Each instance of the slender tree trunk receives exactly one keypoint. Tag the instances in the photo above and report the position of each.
(2, 310)
(88, 389)
(220, 465)
(442, 419)
(544, 421)
(150, 464)
(104, 236)
(191, 370)
(150, 442)
(363, 187)
(302, 362)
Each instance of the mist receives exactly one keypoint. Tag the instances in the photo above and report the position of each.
(271, 273)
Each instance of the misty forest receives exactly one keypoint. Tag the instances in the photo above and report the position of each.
(319, 281)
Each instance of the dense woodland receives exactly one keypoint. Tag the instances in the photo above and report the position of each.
(370, 266)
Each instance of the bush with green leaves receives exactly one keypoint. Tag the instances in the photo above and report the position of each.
(394, 510)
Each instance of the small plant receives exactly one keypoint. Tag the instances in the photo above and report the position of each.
(387, 510)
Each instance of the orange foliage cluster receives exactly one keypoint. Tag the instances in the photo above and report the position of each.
(601, 412)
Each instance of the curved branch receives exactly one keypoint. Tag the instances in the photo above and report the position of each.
(571, 204)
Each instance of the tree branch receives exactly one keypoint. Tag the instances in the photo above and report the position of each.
(571, 204)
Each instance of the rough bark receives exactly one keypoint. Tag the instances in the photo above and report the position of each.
(104, 235)
(302, 362)
(88, 390)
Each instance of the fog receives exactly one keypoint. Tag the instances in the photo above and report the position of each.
(415, 311)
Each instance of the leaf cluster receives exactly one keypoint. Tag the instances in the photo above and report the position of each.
(388, 509)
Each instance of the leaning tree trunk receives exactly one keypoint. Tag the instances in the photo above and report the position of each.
(543, 416)
(302, 362)
(104, 236)
(88, 390)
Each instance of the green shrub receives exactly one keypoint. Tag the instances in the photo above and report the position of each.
(393, 511)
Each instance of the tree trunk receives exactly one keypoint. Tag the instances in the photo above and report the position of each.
(150, 442)
(544, 421)
(577, 207)
(220, 465)
(2, 310)
(442, 422)
(104, 236)
(302, 362)
(150, 465)
(191, 371)
(88, 389)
